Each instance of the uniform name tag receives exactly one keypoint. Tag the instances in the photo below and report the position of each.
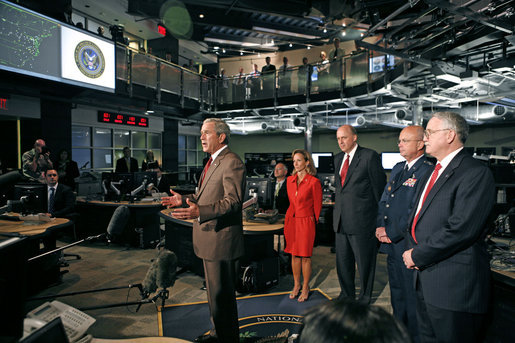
(410, 182)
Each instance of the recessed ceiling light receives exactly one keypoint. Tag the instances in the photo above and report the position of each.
(223, 51)
(325, 30)
(290, 45)
(241, 53)
(201, 16)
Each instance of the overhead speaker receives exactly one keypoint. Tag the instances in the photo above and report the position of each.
(401, 114)
(360, 121)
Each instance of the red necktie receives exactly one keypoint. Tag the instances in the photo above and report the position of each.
(345, 168)
(429, 186)
(208, 164)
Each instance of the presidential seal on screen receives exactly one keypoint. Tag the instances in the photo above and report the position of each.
(89, 59)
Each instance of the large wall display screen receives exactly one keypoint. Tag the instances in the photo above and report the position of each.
(35, 45)
(86, 59)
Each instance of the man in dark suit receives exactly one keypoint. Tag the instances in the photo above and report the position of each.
(447, 230)
(60, 198)
(216, 208)
(392, 218)
(268, 77)
(163, 185)
(359, 179)
(126, 164)
(60, 203)
(281, 202)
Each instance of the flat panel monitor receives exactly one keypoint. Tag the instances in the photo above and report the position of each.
(13, 271)
(377, 64)
(33, 196)
(53, 331)
(264, 187)
(487, 151)
(123, 182)
(262, 164)
(390, 159)
(141, 180)
(324, 162)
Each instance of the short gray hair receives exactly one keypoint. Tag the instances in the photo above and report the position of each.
(220, 127)
(455, 122)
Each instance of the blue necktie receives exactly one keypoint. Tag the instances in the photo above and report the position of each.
(51, 201)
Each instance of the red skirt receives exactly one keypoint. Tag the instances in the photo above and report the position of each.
(299, 234)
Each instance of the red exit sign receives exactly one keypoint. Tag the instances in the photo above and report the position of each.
(161, 29)
(3, 104)
(122, 119)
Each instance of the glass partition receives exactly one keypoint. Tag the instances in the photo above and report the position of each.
(191, 83)
(170, 78)
(122, 72)
(144, 70)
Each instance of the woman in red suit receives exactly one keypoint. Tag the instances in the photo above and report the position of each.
(305, 195)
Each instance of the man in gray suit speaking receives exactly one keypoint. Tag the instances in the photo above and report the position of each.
(217, 227)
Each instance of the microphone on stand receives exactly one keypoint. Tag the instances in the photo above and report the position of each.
(118, 222)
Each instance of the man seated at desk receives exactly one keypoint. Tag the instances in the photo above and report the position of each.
(163, 184)
(60, 198)
(60, 202)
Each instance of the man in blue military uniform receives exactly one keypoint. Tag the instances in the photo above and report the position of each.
(393, 212)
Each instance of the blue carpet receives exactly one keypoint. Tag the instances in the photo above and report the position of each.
(260, 316)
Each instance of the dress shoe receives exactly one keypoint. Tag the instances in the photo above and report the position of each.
(206, 339)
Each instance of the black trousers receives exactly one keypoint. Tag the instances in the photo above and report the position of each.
(220, 284)
(445, 326)
(358, 249)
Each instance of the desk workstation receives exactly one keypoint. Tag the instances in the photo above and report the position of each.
(40, 237)
(258, 237)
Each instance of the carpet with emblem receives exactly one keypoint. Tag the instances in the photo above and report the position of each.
(261, 317)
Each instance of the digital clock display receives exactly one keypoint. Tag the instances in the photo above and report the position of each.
(123, 119)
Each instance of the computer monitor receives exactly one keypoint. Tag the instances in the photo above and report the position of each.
(263, 164)
(390, 159)
(141, 180)
(34, 197)
(13, 275)
(324, 162)
(53, 331)
(123, 182)
(264, 188)
(377, 64)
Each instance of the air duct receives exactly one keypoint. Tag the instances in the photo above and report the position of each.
(360, 121)
(487, 113)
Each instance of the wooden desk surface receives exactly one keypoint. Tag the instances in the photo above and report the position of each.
(83, 200)
(31, 228)
(248, 227)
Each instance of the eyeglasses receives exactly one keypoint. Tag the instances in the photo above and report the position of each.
(404, 141)
(428, 133)
(51, 174)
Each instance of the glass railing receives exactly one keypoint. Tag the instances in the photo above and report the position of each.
(307, 80)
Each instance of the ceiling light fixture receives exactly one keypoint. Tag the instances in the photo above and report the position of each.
(284, 33)
(309, 47)
(241, 53)
(201, 16)
(344, 33)
(223, 51)
(290, 45)
(325, 30)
